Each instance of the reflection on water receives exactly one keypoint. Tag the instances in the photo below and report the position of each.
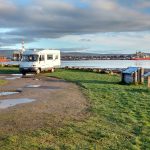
(107, 63)
(44, 87)
(7, 93)
(33, 86)
(103, 63)
(12, 102)
(12, 78)
(16, 74)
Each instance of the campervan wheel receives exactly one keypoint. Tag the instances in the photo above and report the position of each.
(38, 71)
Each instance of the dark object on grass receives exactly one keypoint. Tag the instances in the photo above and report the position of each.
(133, 75)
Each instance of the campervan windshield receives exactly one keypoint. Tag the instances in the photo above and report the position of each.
(30, 58)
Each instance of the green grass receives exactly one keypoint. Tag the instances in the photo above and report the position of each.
(2, 82)
(119, 118)
(9, 70)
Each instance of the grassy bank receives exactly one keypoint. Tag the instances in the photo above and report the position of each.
(9, 70)
(120, 114)
(119, 118)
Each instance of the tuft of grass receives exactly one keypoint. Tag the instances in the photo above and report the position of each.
(120, 118)
(3, 82)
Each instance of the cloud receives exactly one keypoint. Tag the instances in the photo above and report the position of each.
(143, 4)
(124, 42)
(54, 19)
(86, 40)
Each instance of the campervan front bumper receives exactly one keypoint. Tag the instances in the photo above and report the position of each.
(26, 70)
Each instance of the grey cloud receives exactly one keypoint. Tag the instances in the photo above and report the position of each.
(5, 41)
(77, 49)
(85, 40)
(54, 19)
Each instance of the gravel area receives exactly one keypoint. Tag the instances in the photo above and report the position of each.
(55, 100)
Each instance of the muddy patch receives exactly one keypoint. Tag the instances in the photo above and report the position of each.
(51, 87)
(12, 102)
(2, 76)
(41, 99)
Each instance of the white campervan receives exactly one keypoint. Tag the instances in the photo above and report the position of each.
(39, 60)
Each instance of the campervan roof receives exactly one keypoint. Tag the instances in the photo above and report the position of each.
(38, 51)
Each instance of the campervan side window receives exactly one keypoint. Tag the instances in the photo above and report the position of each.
(56, 57)
(41, 58)
(49, 57)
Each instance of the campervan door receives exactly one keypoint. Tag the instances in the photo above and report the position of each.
(52, 59)
(42, 61)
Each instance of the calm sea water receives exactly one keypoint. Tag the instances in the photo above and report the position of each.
(104, 63)
(108, 63)
(96, 63)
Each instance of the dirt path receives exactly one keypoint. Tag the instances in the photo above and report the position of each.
(55, 100)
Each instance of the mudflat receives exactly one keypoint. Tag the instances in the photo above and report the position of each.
(53, 100)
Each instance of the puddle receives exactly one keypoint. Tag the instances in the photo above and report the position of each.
(12, 102)
(20, 74)
(33, 86)
(12, 78)
(44, 87)
(16, 74)
(7, 93)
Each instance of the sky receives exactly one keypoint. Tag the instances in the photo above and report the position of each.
(93, 26)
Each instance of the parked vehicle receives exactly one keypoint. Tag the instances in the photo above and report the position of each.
(39, 60)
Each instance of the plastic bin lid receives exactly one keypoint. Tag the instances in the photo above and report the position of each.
(147, 74)
(131, 70)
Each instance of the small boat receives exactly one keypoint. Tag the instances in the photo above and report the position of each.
(3, 59)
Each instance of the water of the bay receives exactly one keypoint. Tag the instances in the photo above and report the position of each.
(102, 63)
(107, 63)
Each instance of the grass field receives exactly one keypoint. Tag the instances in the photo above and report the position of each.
(119, 118)
(2, 82)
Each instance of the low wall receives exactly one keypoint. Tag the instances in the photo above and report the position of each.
(97, 70)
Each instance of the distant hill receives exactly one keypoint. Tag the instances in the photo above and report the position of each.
(8, 53)
(89, 54)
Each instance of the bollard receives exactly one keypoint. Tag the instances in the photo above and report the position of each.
(135, 77)
(142, 75)
(148, 81)
(139, 76)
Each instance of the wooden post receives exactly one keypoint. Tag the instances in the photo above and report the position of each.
(142, 75)
(135, 77)
(148, 81)
(139, 75)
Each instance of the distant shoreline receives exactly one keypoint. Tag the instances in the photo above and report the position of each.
(72, 56)
(64, 64)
